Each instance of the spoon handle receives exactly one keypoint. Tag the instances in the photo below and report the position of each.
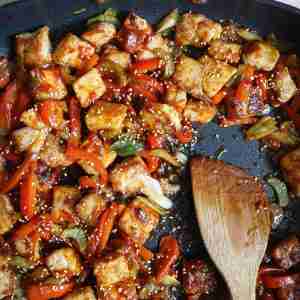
(243, 292)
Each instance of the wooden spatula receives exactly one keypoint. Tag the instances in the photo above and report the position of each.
(234, 221)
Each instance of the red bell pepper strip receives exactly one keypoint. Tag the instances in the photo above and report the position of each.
(75, 124)
(271, 270)
(146, 65)
(86, 182)
(248, 72)
(218, 98)
(243, 90)
(184, 135)
(276, 282)
(45, 291)
(148, 83)
(13, 180)
(154, 141)
(48, 110)
(141, 91)
(75, 154)
(168, 254)
(100, 236)
(28, 192)
(152, 161)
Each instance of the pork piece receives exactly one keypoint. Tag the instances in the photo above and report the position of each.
(285, 85)
(134, 33)
(225, 51)
(131, 177)
(73, 52)
(290, 164)
(286, 253)
(262, 56)
(89, 87)
(198, 278)
(85, 293)
(117, 56)
(113, 269)
(99, 34)
(199, 111)
(64, 262)
(47, 84)
(106, 116)
(8, 216)
(196, 30)
(176, 97)
(138, 220)
(90, 207)
(34, 49)
(7, 278)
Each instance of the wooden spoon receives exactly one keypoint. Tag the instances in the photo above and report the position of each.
(234, 221)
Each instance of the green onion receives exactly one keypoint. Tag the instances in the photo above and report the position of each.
(220, 152)
(264, 127)
(79, 11)
(109, 16)
(78, 235)
(126, 147)
(169, 280)
(168, 22)
(248, 35)
(22, 264)
(280, 189)
(282, 46)
(152, 205)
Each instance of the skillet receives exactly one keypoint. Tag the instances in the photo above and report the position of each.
(265, 16)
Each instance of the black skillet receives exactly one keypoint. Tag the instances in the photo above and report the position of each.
(265, 16)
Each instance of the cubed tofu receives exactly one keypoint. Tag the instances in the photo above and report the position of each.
(262, 56)
(89, 87)
(99, 34)
(199, 111)
(85, 293)
(73, 52)
(90, 207)
(47, 84)
(215, 75)
(196, 30)
(64, 261)
(7, 282)
(290, 166)
(176, 97)
(117, 56)
(161, 117)
(125, 176)
(34, 49)
(106, 116)
(29, 139)
(53, 153)
(29, 249)
(188, 76)
(123, 290)
(138, 220)
(285, 85)
(225, 51)
(111, 270)
(8, 216)
(31, 118)
(64, 198)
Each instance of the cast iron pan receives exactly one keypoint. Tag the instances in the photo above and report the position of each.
(263, 15)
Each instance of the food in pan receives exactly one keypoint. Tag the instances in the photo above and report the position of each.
(95, 132)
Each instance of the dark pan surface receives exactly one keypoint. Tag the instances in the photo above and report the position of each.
(263, 15)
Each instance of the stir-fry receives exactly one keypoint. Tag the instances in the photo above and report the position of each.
(94, 132)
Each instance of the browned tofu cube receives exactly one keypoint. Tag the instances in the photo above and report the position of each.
(262, 55)
(85, 293)
(138, 220)
(34, 49)
(285, 85)
(199, 111)
(106, 116)
(73, 52)
(176, 97)
(117, 56)
(31, 118)
(89, 87)
(111, 270)
(123, 290)
(99, 34)
(225, 51)
(90, 207)
(7, 281)
(48, 84)
(8, 216)
(196, 30)
(64, 261)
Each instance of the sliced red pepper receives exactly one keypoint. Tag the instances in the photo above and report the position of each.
(13, 180)
(217, 99)
(152, 161)
(26, 229)
(75, 154)
(154, 141)
(75, 124)
(270, 270)
(146, 65)
(28, 192)
(86, 182)
(51, 112)
(248, 72)
(168, 254)
(185, 135)
(100, 236)
(243, 91)
(140, 91)
(276, 282)
(45, 291)
(149, 83)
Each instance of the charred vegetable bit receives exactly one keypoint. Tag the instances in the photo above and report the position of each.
(95, 135)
